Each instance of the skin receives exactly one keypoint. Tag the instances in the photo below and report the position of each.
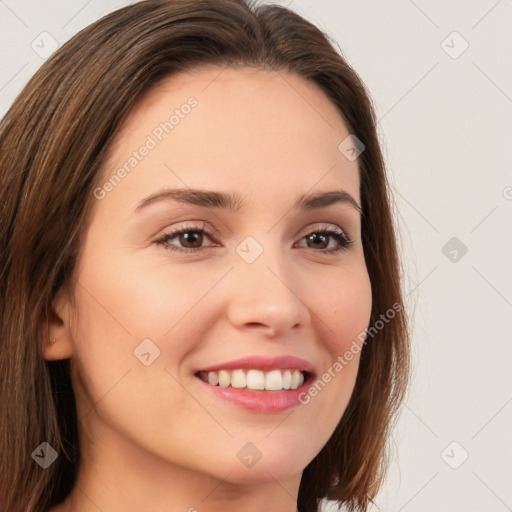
(151, 435)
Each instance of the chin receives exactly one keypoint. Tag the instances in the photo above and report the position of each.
(261, 462)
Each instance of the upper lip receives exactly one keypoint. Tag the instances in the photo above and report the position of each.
(264, 364)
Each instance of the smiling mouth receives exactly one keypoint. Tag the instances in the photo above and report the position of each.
(256, 380)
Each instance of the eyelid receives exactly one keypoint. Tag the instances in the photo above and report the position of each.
(193, 226)
(319, 226)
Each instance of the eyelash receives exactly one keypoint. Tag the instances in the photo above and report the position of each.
(336, 233)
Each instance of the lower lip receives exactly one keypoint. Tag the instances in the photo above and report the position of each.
(259, 401)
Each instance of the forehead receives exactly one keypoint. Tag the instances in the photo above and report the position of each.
(242, 127)
(253, 88)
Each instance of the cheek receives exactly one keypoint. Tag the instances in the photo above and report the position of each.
(346, 309)
(123, 303)
(117, 316)
(138, 300)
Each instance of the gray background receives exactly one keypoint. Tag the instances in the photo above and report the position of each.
(445, 124)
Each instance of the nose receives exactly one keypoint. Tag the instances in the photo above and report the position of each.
(267, 296)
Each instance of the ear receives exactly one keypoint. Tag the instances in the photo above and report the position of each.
(58, 327)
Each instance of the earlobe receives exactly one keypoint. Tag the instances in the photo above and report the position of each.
(53, 351)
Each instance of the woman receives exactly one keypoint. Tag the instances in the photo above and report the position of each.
(201, 291)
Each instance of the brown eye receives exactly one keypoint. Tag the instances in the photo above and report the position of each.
(318, 241)
(321, 238)
(191, 239)
(187, 239)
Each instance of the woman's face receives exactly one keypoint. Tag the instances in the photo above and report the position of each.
(256, 291)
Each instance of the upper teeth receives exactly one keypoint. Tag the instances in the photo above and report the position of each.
(273, 380)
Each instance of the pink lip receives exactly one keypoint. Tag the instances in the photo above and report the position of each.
(261, 401)
(264, 364)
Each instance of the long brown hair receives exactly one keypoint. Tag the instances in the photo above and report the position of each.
(53, 142)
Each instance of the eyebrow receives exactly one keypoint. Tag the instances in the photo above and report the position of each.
(223, 200)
